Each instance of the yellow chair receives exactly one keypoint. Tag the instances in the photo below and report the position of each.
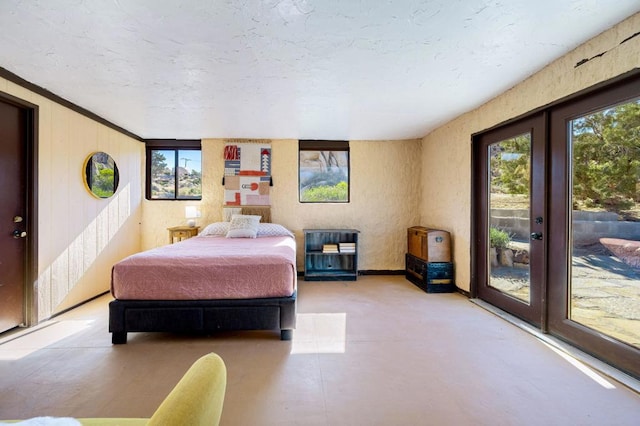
(196, 400)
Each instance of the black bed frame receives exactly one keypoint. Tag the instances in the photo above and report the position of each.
(201, 316)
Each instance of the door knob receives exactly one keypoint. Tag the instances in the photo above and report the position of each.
(19, 234)
(536, 235)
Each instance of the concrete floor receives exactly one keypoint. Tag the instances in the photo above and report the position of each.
(378, 351)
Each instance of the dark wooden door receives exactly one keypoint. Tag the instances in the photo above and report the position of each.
(594, 296)
(509, 208)
(572, 177)
(13, 220)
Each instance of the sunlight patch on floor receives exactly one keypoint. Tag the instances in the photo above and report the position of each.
(321, 333)
(30, 341)
(593, 375)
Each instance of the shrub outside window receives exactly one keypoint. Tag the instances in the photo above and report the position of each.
(323, 171)
(174, 172)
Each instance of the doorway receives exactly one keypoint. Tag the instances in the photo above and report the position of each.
(559, 192)
(511, 208)
(17, 212)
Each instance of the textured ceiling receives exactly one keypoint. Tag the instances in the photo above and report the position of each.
(308, 69)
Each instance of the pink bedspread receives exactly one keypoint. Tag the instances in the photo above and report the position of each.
(209, 267)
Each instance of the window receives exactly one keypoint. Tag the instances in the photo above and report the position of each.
(323, 171)
(174, 170)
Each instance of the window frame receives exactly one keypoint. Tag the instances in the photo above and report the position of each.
(325, 145)
(170, 145)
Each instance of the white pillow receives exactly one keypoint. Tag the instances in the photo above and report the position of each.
(243, 226)
(216, 229)
(273, 230)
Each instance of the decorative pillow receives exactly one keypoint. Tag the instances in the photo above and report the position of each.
(273, 230)
(243, 226)
(216, 229)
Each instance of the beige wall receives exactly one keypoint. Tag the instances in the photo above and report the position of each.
(446, 154)
(80, 236)
(384, 185)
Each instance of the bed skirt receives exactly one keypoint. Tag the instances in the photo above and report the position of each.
(201, 316)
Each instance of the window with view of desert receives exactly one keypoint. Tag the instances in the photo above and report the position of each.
(176, 174)
(324, 176)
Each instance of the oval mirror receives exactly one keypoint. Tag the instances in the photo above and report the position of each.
(101, 175)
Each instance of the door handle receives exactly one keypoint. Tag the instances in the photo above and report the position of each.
(536, 235)
(19, 234)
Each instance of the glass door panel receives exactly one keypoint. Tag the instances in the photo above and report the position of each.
(562, 187)
(508, 208)
(509, 211)
(604, 271)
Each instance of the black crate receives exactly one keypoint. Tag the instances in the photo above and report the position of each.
(432, 277)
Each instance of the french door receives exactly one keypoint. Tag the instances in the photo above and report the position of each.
(510, 217)
(556, 221)
(594, 269)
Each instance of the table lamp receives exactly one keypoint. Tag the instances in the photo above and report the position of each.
(191, 213)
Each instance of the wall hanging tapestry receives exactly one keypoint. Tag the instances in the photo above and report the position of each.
(247, 174)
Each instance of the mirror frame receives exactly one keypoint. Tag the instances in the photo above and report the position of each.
(108, 163)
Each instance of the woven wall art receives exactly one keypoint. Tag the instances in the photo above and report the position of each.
(247, 174)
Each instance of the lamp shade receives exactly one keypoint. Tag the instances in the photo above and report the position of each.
(191, 213)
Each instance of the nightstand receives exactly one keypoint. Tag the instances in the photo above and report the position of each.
(179, 233)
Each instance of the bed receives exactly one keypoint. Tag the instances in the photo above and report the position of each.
(227, 278)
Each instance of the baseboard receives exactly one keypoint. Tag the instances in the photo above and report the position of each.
(372, 272)
(381, 272)
(77, 305)
(464, 292)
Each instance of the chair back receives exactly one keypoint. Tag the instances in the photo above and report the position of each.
(198, 397)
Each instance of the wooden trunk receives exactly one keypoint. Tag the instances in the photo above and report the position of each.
(430, 245)
(432, 277)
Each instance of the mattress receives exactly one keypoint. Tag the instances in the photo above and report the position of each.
(209, 267)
